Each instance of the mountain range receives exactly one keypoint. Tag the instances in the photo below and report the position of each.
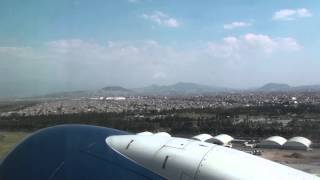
(277, 87)
(182, 89)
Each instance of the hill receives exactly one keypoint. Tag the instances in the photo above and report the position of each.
(274, 87)
(181, 88)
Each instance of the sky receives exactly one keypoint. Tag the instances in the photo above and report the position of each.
(49, 46)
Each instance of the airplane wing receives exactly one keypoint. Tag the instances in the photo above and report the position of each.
(76, 152)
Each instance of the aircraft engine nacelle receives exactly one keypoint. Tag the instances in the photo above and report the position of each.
(186, 159)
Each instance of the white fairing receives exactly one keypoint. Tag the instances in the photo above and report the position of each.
(186, 159)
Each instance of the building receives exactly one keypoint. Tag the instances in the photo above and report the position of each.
(297, 143)
(145, 133)
(272, 142)
(202, 137)
(222, 139)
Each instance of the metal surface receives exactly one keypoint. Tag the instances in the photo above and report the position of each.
(179, 158)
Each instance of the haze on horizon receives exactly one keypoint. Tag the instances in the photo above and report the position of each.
(49, 46)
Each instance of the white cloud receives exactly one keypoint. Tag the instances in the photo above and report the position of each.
(291, 14)
(159, 75)
(16, 51)
(237, 24)
(13, 50)
(153, 53)
(80, 64)
(162, 19)
(69, 45)
(252, 44)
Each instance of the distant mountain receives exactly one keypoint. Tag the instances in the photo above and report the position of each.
(70, 94)
(307, 88)
(274, 87)
(115, 88)
(114, 91)
(277, 87)
(181, 88)
(106, 91)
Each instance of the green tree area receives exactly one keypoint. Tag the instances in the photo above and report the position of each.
(239, 121)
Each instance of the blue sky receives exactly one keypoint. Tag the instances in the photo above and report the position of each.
(48, 46)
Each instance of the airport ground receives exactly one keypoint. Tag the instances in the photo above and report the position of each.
(308, 161)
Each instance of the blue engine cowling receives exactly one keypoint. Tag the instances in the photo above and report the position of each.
(70, 152)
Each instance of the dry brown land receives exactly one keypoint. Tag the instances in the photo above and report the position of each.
(308, 161)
